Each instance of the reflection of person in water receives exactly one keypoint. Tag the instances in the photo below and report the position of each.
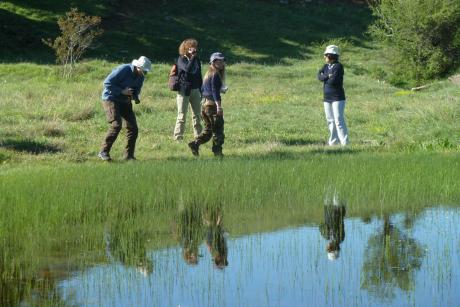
(333, 228)
(215, 239)
(190, 233)
(127, 246)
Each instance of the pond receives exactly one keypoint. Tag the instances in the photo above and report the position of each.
(346, 230)
(399, 260)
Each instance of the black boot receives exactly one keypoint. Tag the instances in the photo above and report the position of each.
(194, 146)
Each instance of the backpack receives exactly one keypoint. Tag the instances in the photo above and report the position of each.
(174, 82)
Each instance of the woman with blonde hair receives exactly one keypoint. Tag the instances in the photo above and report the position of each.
(190, 80)
(212, 112)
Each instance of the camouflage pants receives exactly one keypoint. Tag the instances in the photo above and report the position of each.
(116, 113)
(213, 127)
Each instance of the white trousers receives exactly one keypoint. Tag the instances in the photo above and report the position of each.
(338, 132)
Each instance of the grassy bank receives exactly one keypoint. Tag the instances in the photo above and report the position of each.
(268, 110)
(370, 183)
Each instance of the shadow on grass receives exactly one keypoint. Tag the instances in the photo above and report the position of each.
(253, 31)
(300, 142)
(29, 146)
(336, 150)
(283, 141)
(22, 39)
(250, 31)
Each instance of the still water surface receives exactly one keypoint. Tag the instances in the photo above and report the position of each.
(398, 260)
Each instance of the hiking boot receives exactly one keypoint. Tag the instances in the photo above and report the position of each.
(104, 156)
(194, 147)
(130, 158)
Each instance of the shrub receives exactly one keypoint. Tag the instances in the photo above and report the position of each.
(77, 34)
(423, 35)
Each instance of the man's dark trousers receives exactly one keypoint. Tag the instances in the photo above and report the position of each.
(116, 113)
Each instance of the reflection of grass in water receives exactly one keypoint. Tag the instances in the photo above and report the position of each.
(65, 210)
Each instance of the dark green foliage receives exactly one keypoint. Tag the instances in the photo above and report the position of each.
(255, 31)
(423, 35)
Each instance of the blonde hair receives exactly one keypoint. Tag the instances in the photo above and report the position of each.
(213, 70)
(186, 44)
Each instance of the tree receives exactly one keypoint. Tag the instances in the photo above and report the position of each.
(424, 36)
(391, 260)
(78, 32)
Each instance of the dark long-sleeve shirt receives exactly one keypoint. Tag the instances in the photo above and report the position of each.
(190, 73)
(333, 227)
(332, 77)
(211, 87)
(120, 78)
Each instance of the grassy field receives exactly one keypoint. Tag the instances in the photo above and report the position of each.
(58, 198)
(273, 107)
(269, 110)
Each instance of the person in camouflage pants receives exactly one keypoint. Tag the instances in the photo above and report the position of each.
(212, 111)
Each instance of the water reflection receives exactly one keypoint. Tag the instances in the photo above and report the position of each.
(126, 244)
(194, 225)
(215, 239)
(189, 233)
(20, 285)
(333, 227)
(391, 260)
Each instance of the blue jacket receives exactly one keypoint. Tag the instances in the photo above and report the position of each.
(120, 78)
(189, 72)
(332, 77)
(211, 87)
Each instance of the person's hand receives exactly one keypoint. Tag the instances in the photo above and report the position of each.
(192, 51)
(127, 91)
(220, 111)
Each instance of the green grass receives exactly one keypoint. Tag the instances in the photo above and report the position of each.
(274, 106)
(58, 198)
(269, 109)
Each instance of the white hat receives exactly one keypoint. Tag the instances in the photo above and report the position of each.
(216, 56)
(143, 63)
(333, 255)
(332, 49)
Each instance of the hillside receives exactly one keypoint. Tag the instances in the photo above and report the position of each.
(256, 31)
(274, 105)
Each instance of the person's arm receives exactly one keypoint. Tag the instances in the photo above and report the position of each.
(112, 81)
(321, 75)
(137, 90)
(336, 75)
(199, 75)
(182, 63)
(216, 84)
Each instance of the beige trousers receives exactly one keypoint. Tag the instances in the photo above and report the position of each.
(182, 107)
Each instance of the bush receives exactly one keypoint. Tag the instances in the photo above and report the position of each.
(423, 35)
(77, 34)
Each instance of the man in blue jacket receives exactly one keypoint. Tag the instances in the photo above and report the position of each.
(122, 86)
